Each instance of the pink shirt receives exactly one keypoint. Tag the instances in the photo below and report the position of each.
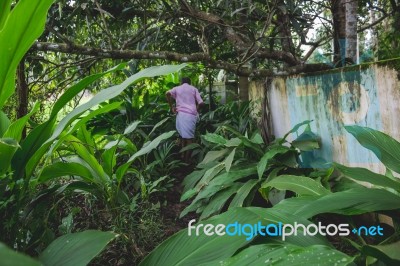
(186, 97)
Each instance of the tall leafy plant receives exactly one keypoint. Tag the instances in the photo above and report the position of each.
(236, 168)
(312, 201)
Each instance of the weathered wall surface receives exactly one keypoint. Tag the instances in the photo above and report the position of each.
(367, 95)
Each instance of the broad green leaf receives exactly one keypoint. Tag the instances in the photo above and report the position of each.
(193, 178)
(228, 161)
(351, 202)
(152, 145)
(204, 181)
(262, 164)
(213, 156)
(76, 249)
(33, 147)
(307, 141)
(219, 183)
(17, 34)
(7, 149)
(81, 150)
(182, 249)
(129, 129)
(388, 254)
(386, 148)
(15, 129)
(218, 201)
(158, 125)
(243, 193)
(215, 138)
(86, 137)
(109, 160)
(60, 169)
(11, 258)
(5, 8)
(234, 142)
(4, 122)
(285, 254)
(365, 175)
(301, 185)
(295, 128)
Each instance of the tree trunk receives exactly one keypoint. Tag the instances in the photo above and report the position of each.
(345, 45)
(22, 89)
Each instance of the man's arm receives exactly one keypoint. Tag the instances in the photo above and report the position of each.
(200, 106)
(170, 102)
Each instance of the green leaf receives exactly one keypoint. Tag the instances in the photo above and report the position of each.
(15, 129)
(60, 169)
(365, 175)
(213, 156)
(4, 122)
(7, 149)
(285, 254)
(129, 129)
(215, 138)
(243, 193)
(386, 148)
(17, 34)
(262, 164)
(5, 7)
(295, 128)
(152, 145)
(182, 249)
(301, 185)
(228, 161)
(11, 258)
(76, 249)
(351, 202)
(35, 145)
(158, 125)
(218, 201)
(389, 254)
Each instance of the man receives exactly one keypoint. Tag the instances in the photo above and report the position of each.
(188, 103)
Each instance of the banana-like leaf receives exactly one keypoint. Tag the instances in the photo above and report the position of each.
(283, 255)
(262, 164)
(7, 149)
(215, 138)
(213, 156)
(215, 204)
(243, 193)
(129, 129)
(4, 123)
(218, 184)
(76, 249)
(365, 175)
(152, 145)
(5, 8)
(11, 258)
(351, 202)
(17, 34)
(301, 185)
(389, 254)
(386, 148)
(182, 249)
(228, 161)
(15, 129)
(60, 169)
(31, 147)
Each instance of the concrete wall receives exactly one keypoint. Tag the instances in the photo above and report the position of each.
(367, 95)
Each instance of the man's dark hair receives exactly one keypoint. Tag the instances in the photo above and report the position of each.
(186, 80)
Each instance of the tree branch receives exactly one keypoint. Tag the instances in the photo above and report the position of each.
(177, 57)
